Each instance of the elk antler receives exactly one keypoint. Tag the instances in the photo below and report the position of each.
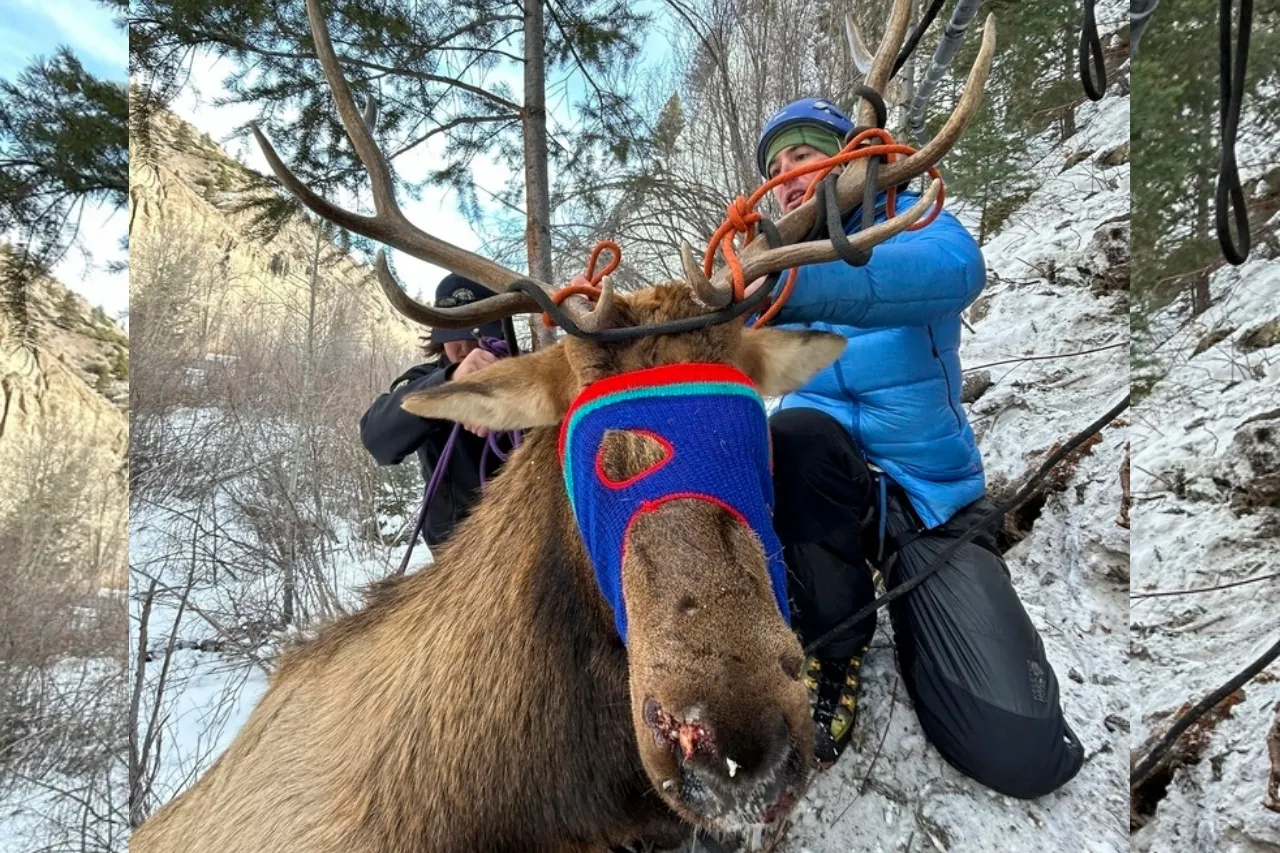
(758, 259)
(862, 58)
(390, 226)
(707, 293)
(821, 251)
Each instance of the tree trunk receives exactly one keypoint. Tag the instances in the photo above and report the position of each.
(302, 416)
(907, 79)
(537, 181)
(1200, 297)
(1068, 120)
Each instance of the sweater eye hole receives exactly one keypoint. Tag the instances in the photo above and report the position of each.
(626, 456)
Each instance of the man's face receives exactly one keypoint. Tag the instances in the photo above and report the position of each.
(456, 351)
(789, 194)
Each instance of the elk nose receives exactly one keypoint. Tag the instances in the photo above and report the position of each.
(756, 783)
(752, 757)
(686, 733)
(723, 757)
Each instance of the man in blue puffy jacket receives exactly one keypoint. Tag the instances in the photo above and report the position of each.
(875, 457)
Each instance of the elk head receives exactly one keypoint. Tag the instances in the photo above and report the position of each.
(687, 563)
(691, 575)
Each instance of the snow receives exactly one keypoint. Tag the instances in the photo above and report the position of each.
(1196, 449)
(61, 800)
(209, 692)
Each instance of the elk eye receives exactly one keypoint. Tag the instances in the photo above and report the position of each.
(626, 456)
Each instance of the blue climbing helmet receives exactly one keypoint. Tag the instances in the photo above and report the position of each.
(812, 112)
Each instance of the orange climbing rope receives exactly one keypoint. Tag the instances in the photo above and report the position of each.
(741, 217)
(591, 290)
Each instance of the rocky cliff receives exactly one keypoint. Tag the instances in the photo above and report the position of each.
(188, 195)
(63, 398)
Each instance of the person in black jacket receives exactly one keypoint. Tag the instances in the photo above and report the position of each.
(390, 433)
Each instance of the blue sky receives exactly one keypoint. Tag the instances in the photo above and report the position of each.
(37, 28)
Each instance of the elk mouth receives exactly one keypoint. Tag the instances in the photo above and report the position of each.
(712, 789)
(764, 804)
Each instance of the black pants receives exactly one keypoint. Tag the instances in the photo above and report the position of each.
(972, 662)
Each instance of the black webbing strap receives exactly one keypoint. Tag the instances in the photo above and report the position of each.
(1094, 79)
(1230, 194)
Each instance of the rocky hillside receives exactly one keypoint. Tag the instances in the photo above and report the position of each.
(189, 195)
(64, 392)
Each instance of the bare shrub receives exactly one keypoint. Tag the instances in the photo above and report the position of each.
(63, 636)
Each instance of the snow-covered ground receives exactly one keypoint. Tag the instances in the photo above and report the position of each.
(225, 647)
(1206, 513)
(71, 795)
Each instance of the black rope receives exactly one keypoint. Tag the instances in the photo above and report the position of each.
(1230, 193)
(829, 202)
(877, 103)
(771, 232)
(1149, 761)
(914, 39)
(831, 220)
(564, 319)
(509, 334)
(1140, 12)
(869, 192)
(1094, 79)
(982, 524)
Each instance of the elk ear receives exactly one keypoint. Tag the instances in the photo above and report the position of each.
(781, 360)
(515, 393)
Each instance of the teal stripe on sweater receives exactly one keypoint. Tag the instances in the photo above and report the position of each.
(692, 389)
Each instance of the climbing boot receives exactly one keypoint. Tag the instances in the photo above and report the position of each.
(833, 685)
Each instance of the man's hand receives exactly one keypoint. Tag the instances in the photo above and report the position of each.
(477, 359)
(754, 286)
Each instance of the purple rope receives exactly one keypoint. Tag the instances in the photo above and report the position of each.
(429, 494)
(499, 348)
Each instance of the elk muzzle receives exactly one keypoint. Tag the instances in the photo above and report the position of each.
(722, 723)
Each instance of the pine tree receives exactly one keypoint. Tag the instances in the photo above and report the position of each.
(63, 144)
(1177, 150)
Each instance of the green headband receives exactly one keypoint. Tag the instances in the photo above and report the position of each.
(824, 140)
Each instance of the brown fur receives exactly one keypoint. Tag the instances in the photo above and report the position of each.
(486, 703)
(625, 454)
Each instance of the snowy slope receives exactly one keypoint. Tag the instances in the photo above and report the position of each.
(211, 686)
(1051, 291)
(1206, 513)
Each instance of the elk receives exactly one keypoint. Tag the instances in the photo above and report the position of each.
(491, 703)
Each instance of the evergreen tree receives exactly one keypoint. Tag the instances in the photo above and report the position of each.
(1177, 149)
(63, 144)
